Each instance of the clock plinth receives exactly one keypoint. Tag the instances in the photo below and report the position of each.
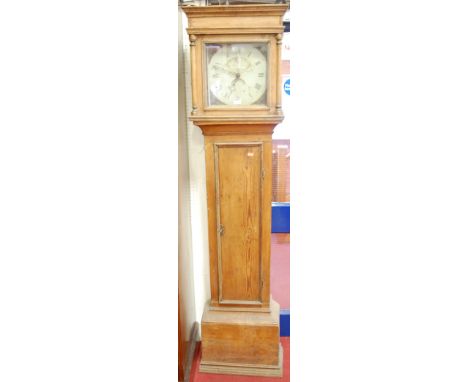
(241, 342)
(236, 100)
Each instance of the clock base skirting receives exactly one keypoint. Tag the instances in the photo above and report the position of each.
(241, 342)
(245, 369)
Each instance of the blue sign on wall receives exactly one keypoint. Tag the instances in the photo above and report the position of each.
(287, 85)
(280, 217)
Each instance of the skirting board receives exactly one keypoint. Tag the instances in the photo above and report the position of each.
(244, 369)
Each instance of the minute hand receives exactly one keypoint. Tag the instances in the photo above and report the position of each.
(247, 68)
(217, 67)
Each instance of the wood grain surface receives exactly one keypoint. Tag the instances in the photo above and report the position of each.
(248, 338)
(239, 194)
(238, 179)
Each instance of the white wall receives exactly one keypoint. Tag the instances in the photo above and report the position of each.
(198, 206)
(185, 269)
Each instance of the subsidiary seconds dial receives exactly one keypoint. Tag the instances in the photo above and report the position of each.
(237, 75)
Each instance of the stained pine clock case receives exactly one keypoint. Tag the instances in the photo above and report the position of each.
(236, 101)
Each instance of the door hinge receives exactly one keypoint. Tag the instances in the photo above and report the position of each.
(263, 173)
(221, 229)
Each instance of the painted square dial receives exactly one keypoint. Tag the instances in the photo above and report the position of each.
(236, 74)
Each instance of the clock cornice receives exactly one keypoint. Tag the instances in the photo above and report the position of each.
(235, 19)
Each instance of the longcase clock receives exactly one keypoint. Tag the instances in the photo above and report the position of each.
(236, 101)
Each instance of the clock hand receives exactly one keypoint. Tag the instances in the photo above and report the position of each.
(247, 68)
(237, 79)
(233, 83)
(217, 67)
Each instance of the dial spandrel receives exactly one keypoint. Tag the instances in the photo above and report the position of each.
(236, 74)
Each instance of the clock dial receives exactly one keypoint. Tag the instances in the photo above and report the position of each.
(237, 74)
